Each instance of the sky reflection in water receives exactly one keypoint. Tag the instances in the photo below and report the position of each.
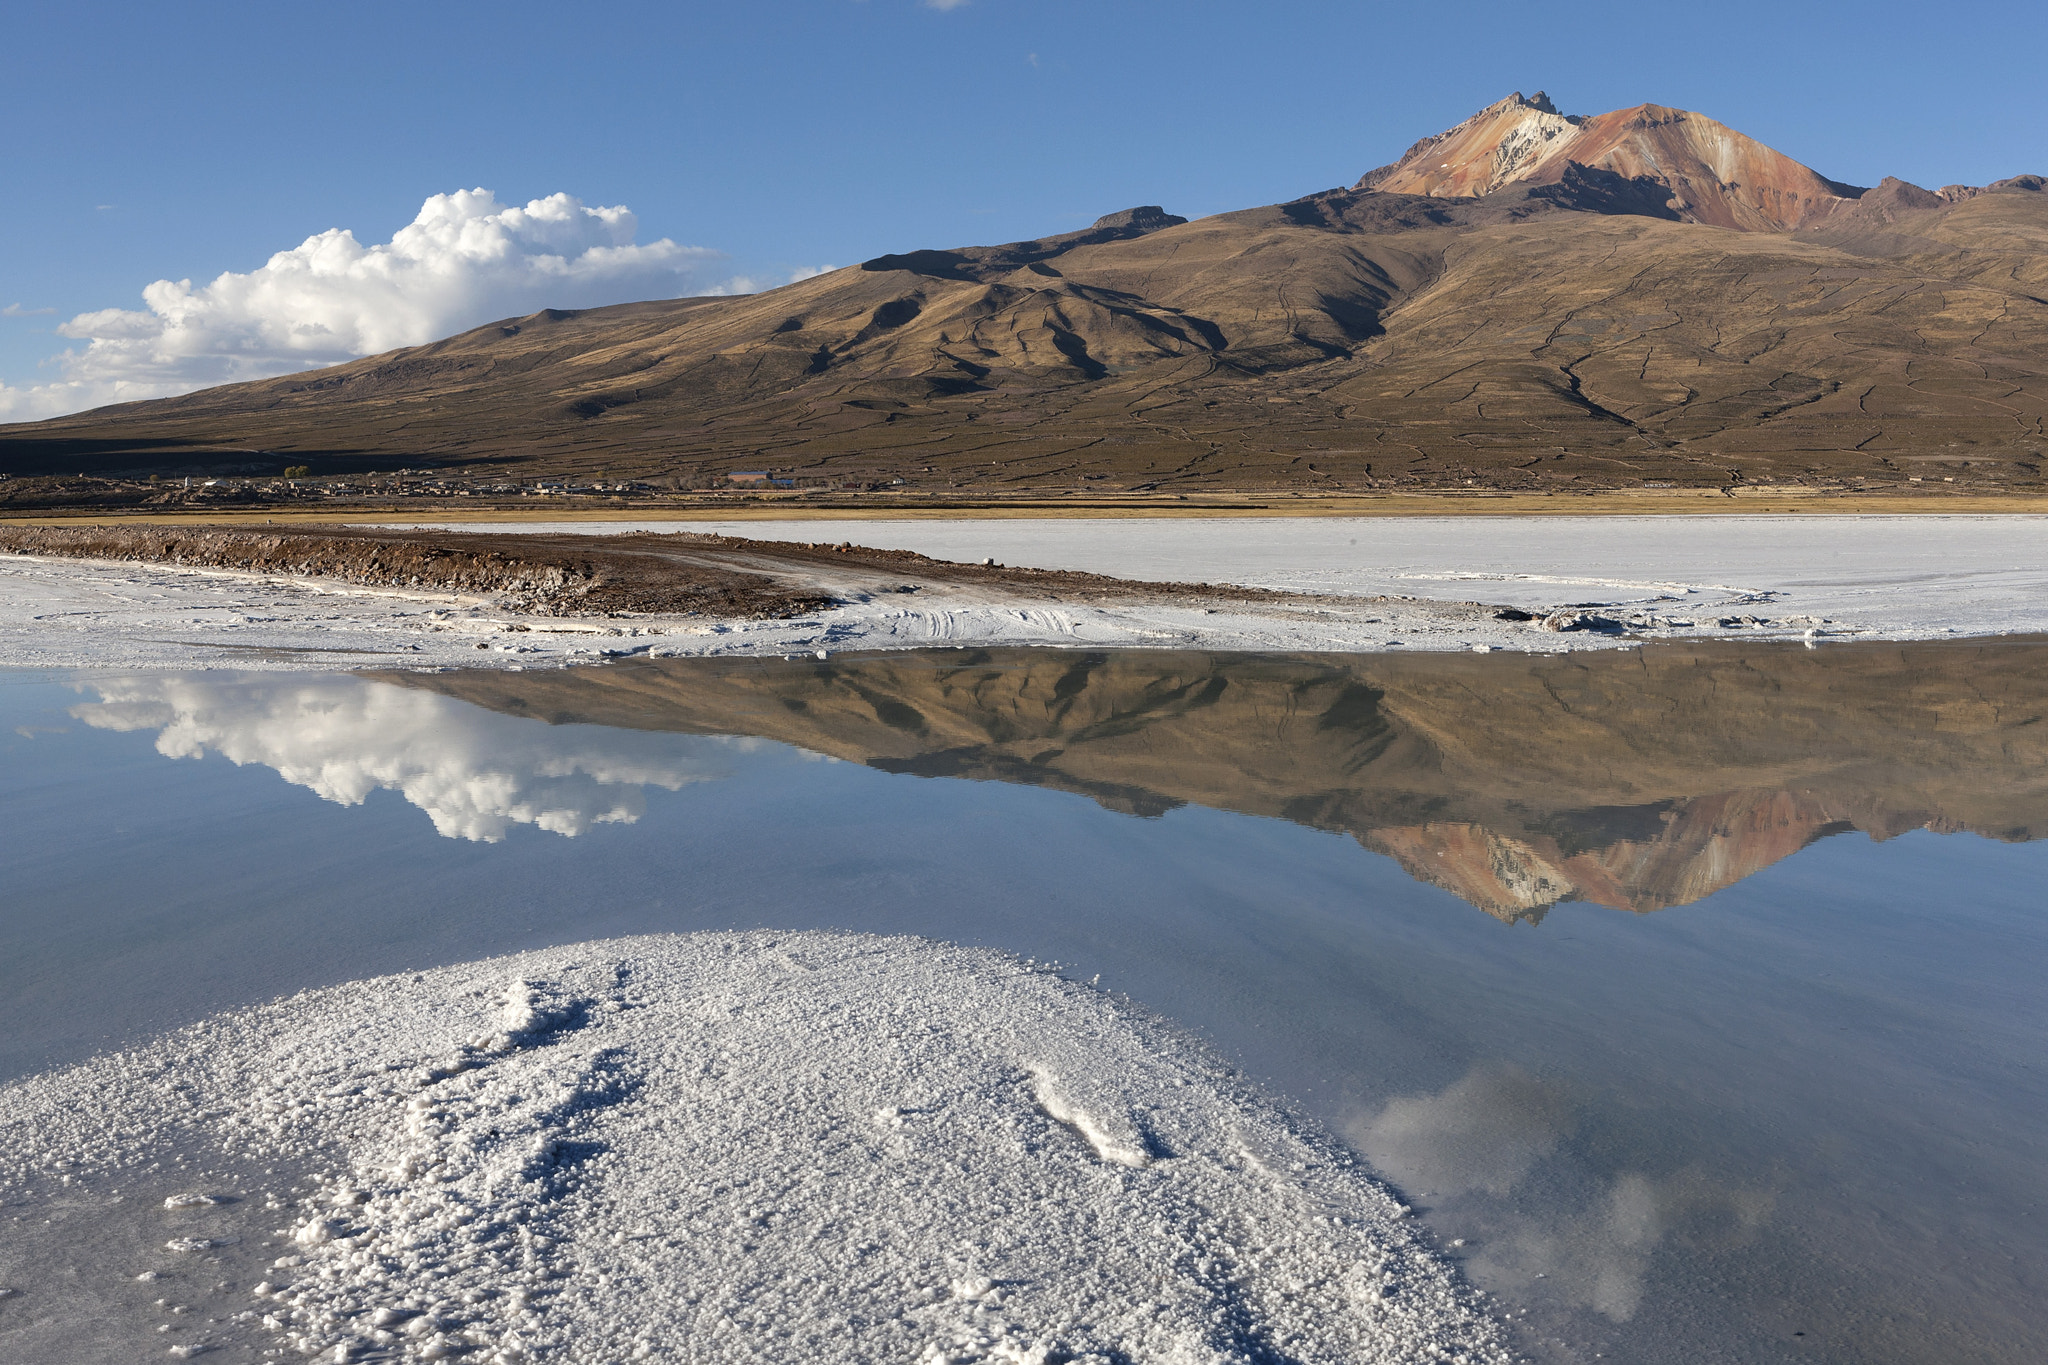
(1769, 1111)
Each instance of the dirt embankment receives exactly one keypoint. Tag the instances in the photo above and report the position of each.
(552, 574)
(540, 576)
(1050, 584)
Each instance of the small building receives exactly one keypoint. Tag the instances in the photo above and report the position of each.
(757, 478)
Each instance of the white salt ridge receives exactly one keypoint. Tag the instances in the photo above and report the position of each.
(747, 1147)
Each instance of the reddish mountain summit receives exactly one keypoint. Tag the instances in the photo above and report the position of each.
(1713, 174)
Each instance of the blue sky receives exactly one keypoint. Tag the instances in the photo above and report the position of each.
(170, 142)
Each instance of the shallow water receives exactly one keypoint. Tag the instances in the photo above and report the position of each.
(1790, 1109)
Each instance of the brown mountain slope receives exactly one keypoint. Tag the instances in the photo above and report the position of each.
(1638, 780)
(1579, 325)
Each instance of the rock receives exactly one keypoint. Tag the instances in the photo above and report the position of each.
(1583, 620)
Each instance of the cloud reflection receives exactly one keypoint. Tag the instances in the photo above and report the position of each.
(1494, 1152)
(475, 773)
(1600, 1256)
(1482, 1133)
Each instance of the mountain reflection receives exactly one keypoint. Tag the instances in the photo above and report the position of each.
(474, 772)
(1637, 779)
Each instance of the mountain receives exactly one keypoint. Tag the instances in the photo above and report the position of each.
(1706, 172)
(1528, 301)
(1636, 779)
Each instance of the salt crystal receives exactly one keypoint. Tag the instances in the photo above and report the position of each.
(192, 1201)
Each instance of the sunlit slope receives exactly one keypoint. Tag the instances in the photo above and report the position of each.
(1568, 329)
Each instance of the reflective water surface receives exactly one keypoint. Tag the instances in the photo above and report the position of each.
(1796, 1113)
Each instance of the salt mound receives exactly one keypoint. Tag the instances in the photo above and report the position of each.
(747, 1147)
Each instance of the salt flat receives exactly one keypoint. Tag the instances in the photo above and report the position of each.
(1897, 577)
(63, 613)
(1366, 584)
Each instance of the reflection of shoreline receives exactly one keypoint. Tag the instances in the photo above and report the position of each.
(1638, 779)
(475, 773)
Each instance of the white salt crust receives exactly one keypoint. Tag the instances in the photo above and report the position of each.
(1381, 584)
(753, 1147)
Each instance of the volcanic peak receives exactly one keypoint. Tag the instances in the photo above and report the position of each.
(1711, 173)
(1502, 143)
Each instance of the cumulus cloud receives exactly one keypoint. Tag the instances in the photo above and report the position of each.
(463, 261)
(754, 284)
(475, 773)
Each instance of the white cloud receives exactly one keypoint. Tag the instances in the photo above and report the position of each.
(465, 260)
(944, 4)
(752, 284)
(15, 310)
